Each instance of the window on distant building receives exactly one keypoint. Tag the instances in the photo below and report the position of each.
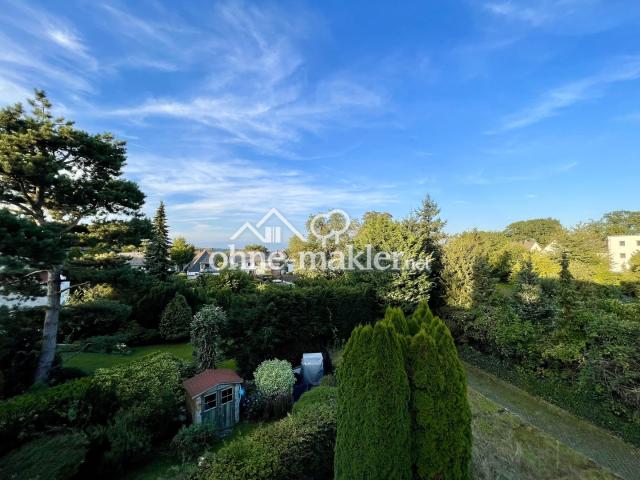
(622, 243)
(623, 255)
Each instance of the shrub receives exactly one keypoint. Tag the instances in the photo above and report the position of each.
(192, 440)
(147, 378)
(299, 446)
(72, 404)
(129, 441)
(328, 381)
(57, 457)
(98, 317)
(323, 395)
(287, 322)
(107, 344)
(373, 407)
(176, 318)
(274, 380)
(205, 336)
(441, 415)
(274, 377)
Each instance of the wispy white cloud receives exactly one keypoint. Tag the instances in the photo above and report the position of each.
(557, 99)
(199, 191)
(534, 16)
(256, 92)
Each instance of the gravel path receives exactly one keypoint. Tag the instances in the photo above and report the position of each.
(593, 442)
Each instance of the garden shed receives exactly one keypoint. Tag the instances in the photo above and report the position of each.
(213, 396)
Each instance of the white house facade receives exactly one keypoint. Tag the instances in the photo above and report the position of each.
(621, 249)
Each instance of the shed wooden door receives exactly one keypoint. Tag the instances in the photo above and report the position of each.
(223, 414)
(226, 411)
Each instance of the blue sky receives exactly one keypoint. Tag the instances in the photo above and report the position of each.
(501, 110)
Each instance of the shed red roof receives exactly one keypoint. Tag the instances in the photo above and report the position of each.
(209, 379)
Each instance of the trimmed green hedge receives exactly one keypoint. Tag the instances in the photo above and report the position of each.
(58, 457)
(286, 322)
(74, 403)
(299, 446)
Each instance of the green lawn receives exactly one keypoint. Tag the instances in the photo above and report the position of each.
(89, 362)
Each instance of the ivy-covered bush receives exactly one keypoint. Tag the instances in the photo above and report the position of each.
(57, 457)
(205, 336)
(298, 446)
(176, 319)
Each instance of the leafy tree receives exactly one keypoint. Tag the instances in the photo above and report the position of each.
(156, 259)
(182, 253)
(176, 319)
(543, 230)
(205, 336)
(634, 262)
(373, 408)
(55, 175)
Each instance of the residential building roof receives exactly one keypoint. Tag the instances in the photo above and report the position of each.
(209, 379)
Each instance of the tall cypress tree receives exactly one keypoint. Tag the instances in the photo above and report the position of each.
(374, 425)
(454, 437)
(156, 259)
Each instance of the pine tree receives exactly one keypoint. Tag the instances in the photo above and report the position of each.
(373, 408)
(156, 259)
(176, 319)
(532, 303)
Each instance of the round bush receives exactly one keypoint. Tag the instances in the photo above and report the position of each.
(274, 378)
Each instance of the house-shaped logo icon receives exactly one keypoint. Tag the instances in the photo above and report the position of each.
(270, 234)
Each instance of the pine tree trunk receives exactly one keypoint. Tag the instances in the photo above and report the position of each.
(50, 328)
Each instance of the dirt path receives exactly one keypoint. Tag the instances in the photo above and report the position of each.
(594, 443)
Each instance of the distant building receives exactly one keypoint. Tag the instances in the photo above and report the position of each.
(621, 249)
(532, 246)
(241, 260)
(134, 259)
(16, 301)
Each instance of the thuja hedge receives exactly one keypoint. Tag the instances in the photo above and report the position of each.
(298, 446)
(284, 322)
(402, 406)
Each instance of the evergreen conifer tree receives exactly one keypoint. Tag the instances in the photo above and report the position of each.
(373, 408)
(176, 319)
(156, 259)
